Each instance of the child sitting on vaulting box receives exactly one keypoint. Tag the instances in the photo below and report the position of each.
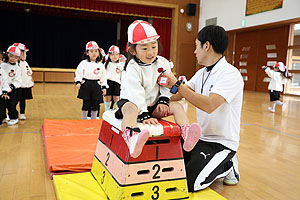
(142, 97)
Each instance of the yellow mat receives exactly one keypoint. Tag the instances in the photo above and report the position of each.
(82, 186)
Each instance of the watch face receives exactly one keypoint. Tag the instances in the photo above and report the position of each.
(174, 89)
(189, 26)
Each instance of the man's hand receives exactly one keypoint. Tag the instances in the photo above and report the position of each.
(78, 86)
(163, 110)
(150, 121)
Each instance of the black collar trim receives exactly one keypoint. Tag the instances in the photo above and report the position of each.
(139, 62)
(209, 68)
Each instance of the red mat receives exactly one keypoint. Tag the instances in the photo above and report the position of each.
(70, 144)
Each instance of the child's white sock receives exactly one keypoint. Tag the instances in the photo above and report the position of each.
(273, 106)
(94, 114)
(84, 114)
(106, 105)
(278, 102)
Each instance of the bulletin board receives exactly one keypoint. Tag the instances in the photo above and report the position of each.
(258, 6)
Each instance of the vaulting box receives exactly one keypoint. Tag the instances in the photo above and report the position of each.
(158, 173)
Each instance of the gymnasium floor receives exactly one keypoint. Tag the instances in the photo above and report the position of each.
(269, 153)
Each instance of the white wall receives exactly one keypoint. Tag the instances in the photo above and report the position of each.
(231, 12)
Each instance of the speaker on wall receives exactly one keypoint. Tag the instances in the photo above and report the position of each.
(191, 9)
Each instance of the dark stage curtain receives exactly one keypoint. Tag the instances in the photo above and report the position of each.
(163, 28)
(56, 42)
(56, 31)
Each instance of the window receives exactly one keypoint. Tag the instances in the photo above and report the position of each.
(293, 86)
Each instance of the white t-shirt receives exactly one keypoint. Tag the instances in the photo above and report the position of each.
(91, 71)
(13, 73)
(276, 80)
(113, 71)
(139, 84)
(3, 82)
(26, 75)
(222, 125)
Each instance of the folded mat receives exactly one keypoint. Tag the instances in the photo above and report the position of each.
(53, 127)
(70, 144)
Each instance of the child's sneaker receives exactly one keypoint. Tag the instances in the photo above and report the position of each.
(22, 117)
(272, 110)
(231, 178)
(3, 121)
(97, 117)
(12, 122)
(135, 140)
(191, 135)
(283, 107)
(88, 118)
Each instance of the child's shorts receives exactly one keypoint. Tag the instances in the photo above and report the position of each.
(121, 102)
(114, 88)
(274, 95)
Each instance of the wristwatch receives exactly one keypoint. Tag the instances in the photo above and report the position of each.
(174, 88)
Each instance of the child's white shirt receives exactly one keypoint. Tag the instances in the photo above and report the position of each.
(139, 84)
(114, 71)
(3, 82)
(91, 71)
(26, 75)
(13, 73)
(276, 80)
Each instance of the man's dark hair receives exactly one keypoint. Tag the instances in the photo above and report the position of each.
(216, 36)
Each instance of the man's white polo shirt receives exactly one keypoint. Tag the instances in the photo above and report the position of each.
(222, 125)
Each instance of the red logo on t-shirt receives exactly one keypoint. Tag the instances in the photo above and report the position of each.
(11, 73)
(118, 70)
(97, 71)
(160, 70)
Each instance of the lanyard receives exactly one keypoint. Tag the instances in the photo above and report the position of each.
(204, 81)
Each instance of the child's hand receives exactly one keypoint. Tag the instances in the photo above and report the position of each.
(4, 96)
(103, 92)
(163, 110)
(150, 121)
(263, 67)
(78, 86)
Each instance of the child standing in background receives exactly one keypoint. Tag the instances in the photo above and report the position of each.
(27, 83)
(142, 97)
(278, 77)
(90, 79)
(89, 116)
(4, 89)
(12, 70)
(113, 73)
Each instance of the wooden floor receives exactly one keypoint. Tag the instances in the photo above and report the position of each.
(269, 153)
